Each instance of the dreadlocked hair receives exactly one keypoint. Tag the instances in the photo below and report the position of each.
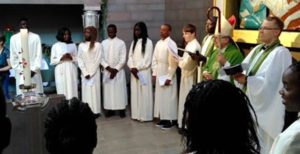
(144, 36)
(70, 128)
(217, 119)
(94, 33)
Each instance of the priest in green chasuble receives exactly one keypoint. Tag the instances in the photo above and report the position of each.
(225, 55)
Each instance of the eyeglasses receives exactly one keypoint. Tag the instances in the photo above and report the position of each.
(267, 28)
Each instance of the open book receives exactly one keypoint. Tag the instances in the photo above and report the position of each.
(232, 70)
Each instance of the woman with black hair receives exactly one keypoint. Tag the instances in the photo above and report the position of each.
(218, 119)
(139, 63)
(63, 56)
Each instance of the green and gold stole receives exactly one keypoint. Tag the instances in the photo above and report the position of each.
(261, 59)
(263, 56)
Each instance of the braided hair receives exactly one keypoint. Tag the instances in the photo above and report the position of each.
(218, 120)
(71, 128)
(144, 35)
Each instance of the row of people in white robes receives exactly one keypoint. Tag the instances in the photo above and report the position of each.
(112, 53)
(164, 65)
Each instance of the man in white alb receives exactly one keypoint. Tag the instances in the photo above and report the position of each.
(114, 81)
(89, 57)
(35, 57)
(262, 80)
(164, 66)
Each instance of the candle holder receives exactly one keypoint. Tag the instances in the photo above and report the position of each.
(29, 98)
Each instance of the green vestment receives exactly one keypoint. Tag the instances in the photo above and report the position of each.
(232, 55)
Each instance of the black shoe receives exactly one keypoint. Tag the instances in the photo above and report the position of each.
(161, 123)
(168, 125)
(122, 114)
(109, 113)
(97, 115)
(181, 131)
(174, 122)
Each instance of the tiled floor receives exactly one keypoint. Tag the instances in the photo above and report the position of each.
(125, 136)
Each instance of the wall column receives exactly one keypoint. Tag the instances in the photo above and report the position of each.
(91, 15)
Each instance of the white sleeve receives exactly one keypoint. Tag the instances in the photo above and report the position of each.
(98, 59)
(147, 57)
(38, 56)
(130, 57)
(104, 63)
(122, 56)
(14, 55)
(80, 60)
(154, 60)
(173, 64)
(55, 56)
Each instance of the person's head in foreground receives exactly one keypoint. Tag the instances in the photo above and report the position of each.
(290, 92)
(70, 128)
(218, 120)
(5, 124)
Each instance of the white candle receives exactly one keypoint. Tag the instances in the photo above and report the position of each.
(25, 57)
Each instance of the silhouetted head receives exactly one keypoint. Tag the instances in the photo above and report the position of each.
(71, 128)
(218, 120)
